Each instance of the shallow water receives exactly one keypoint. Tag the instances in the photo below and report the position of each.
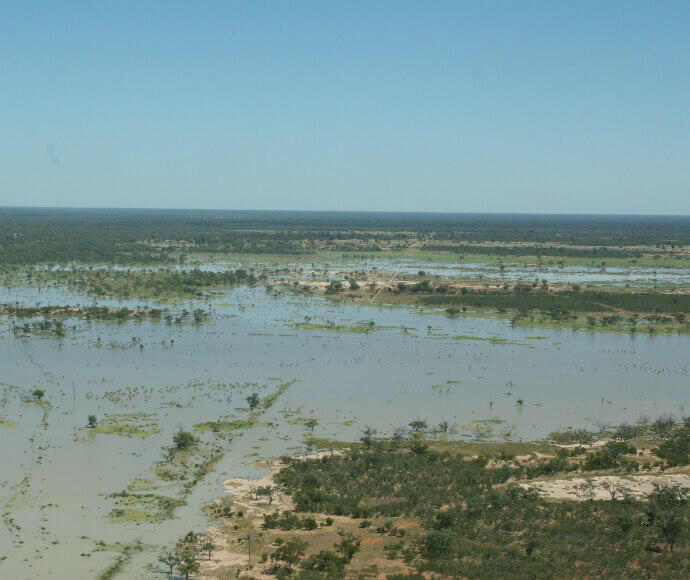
(385, 268)
(55, 480)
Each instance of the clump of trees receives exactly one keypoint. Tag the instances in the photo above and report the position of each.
(334, 287)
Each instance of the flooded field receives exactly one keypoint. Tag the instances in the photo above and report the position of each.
(600, 274)
(345, 366)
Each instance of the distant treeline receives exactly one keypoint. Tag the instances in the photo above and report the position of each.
(29, 236)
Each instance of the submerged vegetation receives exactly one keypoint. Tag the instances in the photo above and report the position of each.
(141, 284)
(126, 425)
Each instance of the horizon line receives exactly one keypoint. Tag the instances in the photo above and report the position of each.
(336, 211)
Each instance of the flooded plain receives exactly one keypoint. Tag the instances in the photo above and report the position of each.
(345, 366)
(595, 274)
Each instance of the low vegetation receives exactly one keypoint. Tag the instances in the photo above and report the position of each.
(478, 516)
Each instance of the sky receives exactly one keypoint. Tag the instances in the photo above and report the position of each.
(484, 106)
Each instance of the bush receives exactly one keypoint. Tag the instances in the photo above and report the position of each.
(608, 456)
(676, 448)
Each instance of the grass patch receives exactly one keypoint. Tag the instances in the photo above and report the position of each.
(224, 426)
(143, 507)
(126, 425)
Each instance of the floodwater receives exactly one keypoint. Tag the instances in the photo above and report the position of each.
(386, 268)
(56, 476)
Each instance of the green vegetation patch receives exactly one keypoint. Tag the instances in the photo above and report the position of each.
(495, 340)
(225, 426)
(269, 401)
(125, 551)
(127, 425)
(526, 298)
(143, 507)
(362, 327)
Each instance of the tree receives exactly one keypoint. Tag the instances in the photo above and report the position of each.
(188, 564)
(311, 423)
(348, 546)
(334, 287)
(662, 511)
(671, 528)
(327, 562)
(368, 436)
(184, 440)
(291, 552)
(418, 425)
(418, 444)
(187, 542)
(170, 559)
(92, 422)
(38, 393)
(267, 491)
(207, 545)
(440, 543)
(397, 437)
(253, 401)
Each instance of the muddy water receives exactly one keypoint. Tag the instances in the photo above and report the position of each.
(56, 476)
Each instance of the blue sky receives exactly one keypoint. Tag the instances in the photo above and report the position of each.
(412, 106)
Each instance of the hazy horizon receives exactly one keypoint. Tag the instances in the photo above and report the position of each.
(341, 212)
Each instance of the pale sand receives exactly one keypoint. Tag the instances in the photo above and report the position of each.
(606, 487)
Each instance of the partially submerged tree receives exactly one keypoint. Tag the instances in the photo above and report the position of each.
(184, 440)
(170, 559)
(253, 401)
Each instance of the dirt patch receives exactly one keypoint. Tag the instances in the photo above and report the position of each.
(606, 487)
